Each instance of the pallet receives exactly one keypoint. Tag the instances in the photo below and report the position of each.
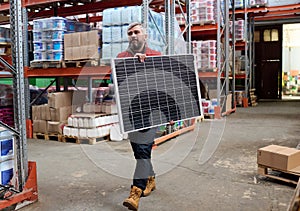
(257, 5)
(273, 173)
(80, 63)
(202, 23)
(295, 202)
(46, 64)
(64, 64)
(87, 140)
(49, 136)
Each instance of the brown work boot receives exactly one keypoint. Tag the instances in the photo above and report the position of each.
(132, 202)
(150, 186)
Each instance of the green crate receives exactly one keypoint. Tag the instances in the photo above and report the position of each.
(41, 82)
(7, 81)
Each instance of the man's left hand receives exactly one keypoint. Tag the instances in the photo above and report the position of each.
(140, 56)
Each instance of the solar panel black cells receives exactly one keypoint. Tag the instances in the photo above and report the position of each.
(154, 92)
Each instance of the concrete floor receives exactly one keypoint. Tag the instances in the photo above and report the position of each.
(212, 168)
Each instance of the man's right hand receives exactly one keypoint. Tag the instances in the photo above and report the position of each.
(140, 56)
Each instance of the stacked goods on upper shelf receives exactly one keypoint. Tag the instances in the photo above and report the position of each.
(205, 54)
(255, 3)
(240, 32)
(5, 47)
(115, 24)
(7, 155)
(203, 11)
(5, 35)
(82, 45)
(48, 37)
(237, 4)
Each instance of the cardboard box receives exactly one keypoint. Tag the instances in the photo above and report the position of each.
(36, 113)
(92, 108)
(68, 53)
(229, 102)
(89, 38)
(279, 157)
(55, 127)
(40, 126)
(77, 53)
(72, 40)
(45, 112)
(60, 99)
(60, 114)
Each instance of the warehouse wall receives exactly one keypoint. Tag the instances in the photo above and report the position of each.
(291, 47)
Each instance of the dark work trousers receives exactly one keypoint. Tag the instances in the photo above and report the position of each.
(142, 153)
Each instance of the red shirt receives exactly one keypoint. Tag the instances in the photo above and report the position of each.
(149, 52)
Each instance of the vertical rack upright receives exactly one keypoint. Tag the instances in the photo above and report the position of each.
(17, 30)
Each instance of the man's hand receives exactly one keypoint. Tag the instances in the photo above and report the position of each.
(140, 56)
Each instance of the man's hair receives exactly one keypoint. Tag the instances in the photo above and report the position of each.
(134, 24)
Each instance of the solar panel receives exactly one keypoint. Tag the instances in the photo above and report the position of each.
(154, 92)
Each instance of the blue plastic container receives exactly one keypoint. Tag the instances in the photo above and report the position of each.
(37, 55)
(58, 45)
(58, 23)
(58, 35)
(49, 46)
(6, 145)
(37, 46)
(37, 36)
(37, 25)
(6, 171)
(57, 55)
(70, 25)
(46, 35)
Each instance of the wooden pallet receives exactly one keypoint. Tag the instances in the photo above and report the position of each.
(87, 140)
(48, 136)
(201, 23)
(46, 64)
(295, 202)
(273, 173)
(64, 64)
(80, 63)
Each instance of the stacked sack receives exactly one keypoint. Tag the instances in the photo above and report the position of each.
(205, 54)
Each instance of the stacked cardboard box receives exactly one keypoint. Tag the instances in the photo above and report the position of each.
(50, 118)
(81, 45)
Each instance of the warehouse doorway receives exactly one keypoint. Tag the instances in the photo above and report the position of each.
(290, 61)
(268, 61)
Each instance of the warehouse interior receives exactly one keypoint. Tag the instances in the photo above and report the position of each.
(63, 115)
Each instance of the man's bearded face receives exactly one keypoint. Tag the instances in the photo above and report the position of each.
(136, 38)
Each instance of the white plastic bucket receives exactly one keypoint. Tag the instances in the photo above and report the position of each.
(6, 171)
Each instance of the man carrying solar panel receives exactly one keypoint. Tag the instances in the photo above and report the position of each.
(141, 141)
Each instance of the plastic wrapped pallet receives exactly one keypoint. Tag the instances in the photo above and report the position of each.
(126, 15)
(116, 33)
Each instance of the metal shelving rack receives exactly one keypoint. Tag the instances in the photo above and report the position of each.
(221, 28)
(20, 71)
